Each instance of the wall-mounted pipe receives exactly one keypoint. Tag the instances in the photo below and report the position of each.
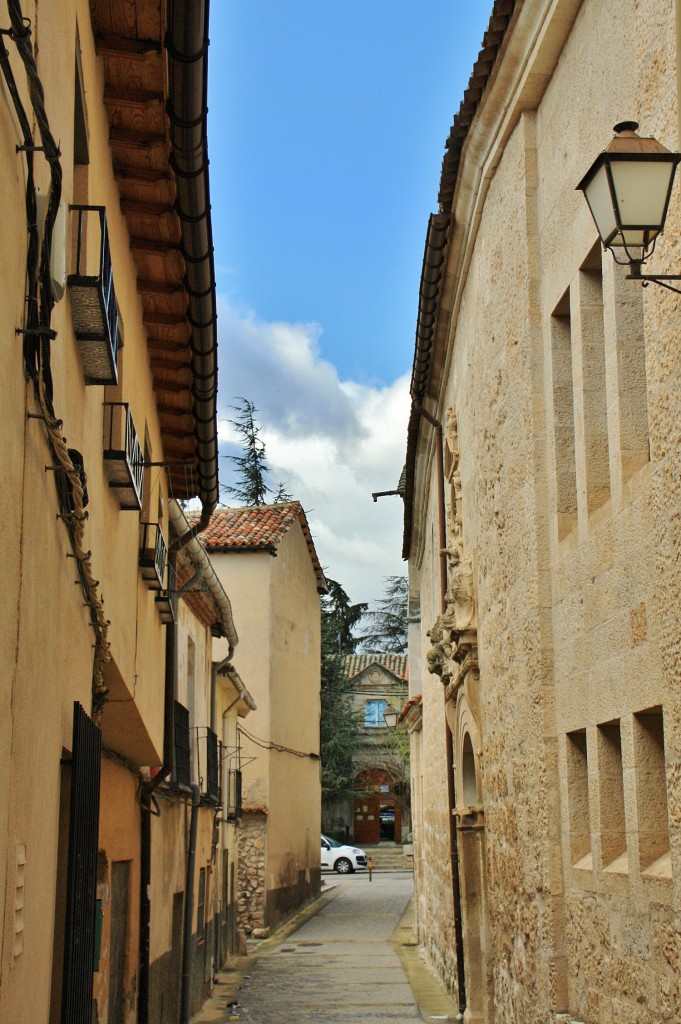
(189, 905)
(209, 577)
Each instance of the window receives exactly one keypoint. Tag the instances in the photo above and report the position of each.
(591, 413)
(611, 786)
(651, 793)
(578, 800)
(563, 417)
(373, 713)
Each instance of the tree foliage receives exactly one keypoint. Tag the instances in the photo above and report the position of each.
(340, 726)
(387, 620)
(252, 471)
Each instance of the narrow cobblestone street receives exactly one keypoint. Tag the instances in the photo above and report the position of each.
(353, 960)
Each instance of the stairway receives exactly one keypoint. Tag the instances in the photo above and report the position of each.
(390, 857)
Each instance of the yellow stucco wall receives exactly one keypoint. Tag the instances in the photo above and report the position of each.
(46, 642)
(246, 578)
(295, 782)
(277, 616)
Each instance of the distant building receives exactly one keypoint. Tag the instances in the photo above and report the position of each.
(542, 512)
(378, 809)
(266, 559)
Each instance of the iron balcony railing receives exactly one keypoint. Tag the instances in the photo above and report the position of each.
(93, 298)
(233, 794)
(153, 556)
(123, 459)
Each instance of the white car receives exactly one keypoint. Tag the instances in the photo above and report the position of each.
(343, 859)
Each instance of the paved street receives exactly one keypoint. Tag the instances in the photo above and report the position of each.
(341, 965)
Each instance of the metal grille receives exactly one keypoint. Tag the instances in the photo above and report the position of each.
(123, 458)
(213, 766)
(81, 886)
(182, 746)
(93, 299)
(153, 555)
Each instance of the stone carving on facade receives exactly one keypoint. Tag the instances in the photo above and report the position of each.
(453, 636)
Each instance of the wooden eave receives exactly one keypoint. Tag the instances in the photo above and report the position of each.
(129, 40)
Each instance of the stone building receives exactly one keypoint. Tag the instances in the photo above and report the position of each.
(378, 810)
(108, 371)
(542, 511)
(266, 559)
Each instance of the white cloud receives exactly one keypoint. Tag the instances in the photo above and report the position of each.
(331, 442)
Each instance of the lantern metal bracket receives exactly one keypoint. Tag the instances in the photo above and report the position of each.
(646, 279)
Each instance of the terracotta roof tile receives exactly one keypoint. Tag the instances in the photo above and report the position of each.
(258, 528)
(395, 663)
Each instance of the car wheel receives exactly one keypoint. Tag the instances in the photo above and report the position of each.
(343, 866)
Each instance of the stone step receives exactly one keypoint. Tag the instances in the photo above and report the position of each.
(390, 858)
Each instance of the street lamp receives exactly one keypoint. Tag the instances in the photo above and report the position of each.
(390, 717)
(628, 187)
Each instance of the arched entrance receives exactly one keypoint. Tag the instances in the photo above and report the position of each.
(377, 809)
(470, 824)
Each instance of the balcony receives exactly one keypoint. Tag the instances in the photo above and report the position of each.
(93, 300)
(153, 556)
(233, 795)
(123, 459)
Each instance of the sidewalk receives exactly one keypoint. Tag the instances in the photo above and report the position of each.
(410, 974)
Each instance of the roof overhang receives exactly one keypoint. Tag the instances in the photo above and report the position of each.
(155, 61)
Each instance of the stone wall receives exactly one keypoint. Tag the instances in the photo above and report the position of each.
(559, 375)
(251, 892)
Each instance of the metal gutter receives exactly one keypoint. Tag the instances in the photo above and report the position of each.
(209, 577)
(186, 46)
(227, 670)
(435, 256)
(432, 272)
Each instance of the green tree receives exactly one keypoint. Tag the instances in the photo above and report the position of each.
(252, 470)
(387, 633)
(340, 722)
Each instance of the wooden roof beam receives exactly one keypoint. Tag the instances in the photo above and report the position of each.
(130, 49)
(131, 97)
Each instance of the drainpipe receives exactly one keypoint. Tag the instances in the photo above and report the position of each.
(189, 905)
(146, 799)
(449, 743)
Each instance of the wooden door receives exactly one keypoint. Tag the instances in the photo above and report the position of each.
(120, 893)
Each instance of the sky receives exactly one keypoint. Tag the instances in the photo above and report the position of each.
(326, 131)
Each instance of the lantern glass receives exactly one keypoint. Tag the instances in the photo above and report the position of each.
(641, 191)
(390, 717)
(599, 198)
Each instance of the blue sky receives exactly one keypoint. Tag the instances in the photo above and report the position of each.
(327, 124)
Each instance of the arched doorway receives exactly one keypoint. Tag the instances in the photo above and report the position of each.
(470, 819)
(377, 809)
